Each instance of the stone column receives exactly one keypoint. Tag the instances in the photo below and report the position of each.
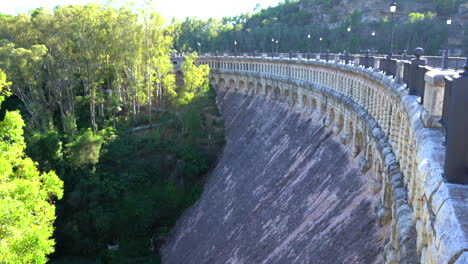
(434, 96)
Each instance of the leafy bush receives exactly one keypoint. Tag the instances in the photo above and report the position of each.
(84, 150)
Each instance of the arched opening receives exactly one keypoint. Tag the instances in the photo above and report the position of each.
(268, 91)
(259, 89)
(369, 152)
(358, 143)
(277, 94)
(286, 95)
(250, 88)
(331, 116)
(323, 108)
(349, 131)
(339, 124)
(241, 86)
(375, 183)
(295, 98)
(232, 85)
(213, 82)
(305, 102)
(222, 84)
(313, 104)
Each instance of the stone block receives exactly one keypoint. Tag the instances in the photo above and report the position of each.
(434, 95)
(451, 230)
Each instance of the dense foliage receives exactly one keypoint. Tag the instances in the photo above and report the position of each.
(137, 187)
(83, 77)
(291, 22)
(27, 209)
(87, 66)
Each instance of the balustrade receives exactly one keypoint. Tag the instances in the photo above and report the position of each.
(407, 114)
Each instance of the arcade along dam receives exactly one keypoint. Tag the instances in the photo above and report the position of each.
(324, 163)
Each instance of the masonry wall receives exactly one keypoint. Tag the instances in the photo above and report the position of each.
(285, 191)
(389, 133)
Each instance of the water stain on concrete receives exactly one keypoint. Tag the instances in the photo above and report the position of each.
(285, 191)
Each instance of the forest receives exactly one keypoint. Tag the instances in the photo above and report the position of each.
(297, 26)
(103, 145)
(80, 181)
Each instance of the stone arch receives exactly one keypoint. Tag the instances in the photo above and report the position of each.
(250, 88)
(222, 84)
(330, 117)
(286, 95)
(375, 184)
(370, 152)
(232, 85)
(277, 93)
(358, 142)
(305, 102)
(365, 163)
(241, 86)
(313, 104)
(338, 124)
(295, 98)
(323, 109)
(259, 89)
(349, 131)
(213, 82)
(268, 91)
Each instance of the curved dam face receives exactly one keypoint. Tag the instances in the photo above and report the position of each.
(285, 191)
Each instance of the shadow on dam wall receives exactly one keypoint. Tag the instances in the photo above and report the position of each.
(285, 191)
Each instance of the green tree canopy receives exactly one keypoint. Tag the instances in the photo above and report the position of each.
(27, 209)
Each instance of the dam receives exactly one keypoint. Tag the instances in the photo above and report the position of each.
(324, 163)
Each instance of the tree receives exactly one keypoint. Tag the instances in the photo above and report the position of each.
(194, 77)
(27, 210)
(25, 70)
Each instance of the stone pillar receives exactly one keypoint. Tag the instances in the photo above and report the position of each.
(400, 69)
(434, 96)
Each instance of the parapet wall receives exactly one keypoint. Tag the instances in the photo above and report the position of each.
(374, 116)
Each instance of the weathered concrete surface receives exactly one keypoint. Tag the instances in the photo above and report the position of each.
(285, 191)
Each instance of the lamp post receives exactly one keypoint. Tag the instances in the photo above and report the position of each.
(320, 45)
(373, 43)
(347, 47)
(235, 48)
(308, 46)
(390, 50)
(446, 53)
(199, 47)
(272, 46)
(392, 11)
(277, 45)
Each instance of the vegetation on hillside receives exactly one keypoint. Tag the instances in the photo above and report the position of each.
(291, 22)
(83, 77)
(27, 209)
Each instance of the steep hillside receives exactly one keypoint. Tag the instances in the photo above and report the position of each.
(333, 11)
(298, 26)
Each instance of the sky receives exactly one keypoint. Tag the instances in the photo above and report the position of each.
(179, 9)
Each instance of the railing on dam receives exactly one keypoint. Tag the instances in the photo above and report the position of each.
(417, 77)
(421, 129)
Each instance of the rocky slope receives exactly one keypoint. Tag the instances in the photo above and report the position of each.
(375, 10)
(285, 191)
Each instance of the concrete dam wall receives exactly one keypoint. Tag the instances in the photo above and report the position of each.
(325, 163)
(285, 191)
